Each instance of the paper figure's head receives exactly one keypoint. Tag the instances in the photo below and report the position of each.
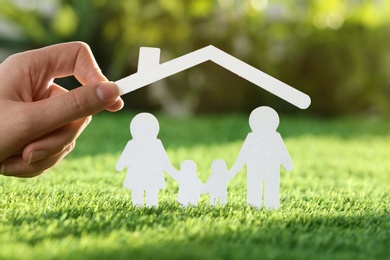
(144, 126)
(218, 165)
(188, 166)
(263, 119)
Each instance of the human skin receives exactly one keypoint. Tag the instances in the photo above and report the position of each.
(40, 120)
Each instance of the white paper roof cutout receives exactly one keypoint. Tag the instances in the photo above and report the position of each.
(150, 70)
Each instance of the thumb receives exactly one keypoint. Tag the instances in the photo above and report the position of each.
(54, 112)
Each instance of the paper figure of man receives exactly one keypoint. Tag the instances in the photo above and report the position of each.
(190, 186)
(217, 183)
(263, 151)
(146, 161)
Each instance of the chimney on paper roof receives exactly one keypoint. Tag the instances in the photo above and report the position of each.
(148, 58)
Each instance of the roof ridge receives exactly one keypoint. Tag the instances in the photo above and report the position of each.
(223, 59)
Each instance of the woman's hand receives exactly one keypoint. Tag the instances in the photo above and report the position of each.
(40, 120)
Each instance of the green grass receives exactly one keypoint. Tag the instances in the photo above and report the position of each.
(334, 205)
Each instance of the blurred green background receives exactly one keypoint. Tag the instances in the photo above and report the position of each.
(337, 51)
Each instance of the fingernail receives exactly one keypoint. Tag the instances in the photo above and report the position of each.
(36, 156)
(107, 92)
(9, 168)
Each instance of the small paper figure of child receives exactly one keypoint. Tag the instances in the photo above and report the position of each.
(190, 186)
(216, 185)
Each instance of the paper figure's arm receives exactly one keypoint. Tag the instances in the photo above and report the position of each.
(212, 182)
(171, 171)
(121, 164)
(199, 182)
(240, 161)
(286, 159)
(288, 164)
(230, 174)
(236, 168)
(206, 186)
(166, 163)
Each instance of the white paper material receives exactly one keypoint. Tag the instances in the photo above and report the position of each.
(263, 152)
(217, 184)
(149, 71)
(145, 159)
(190, 187)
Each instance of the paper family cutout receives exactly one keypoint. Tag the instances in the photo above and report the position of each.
(263, 150)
